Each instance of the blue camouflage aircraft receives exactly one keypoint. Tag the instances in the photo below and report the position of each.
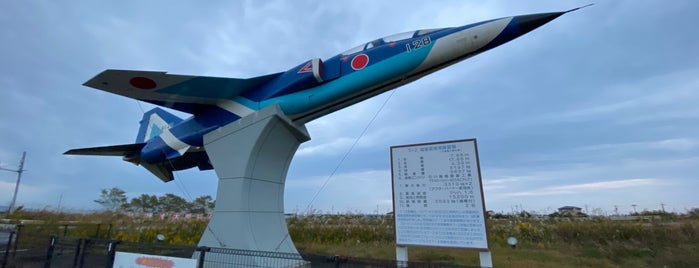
(166, 143)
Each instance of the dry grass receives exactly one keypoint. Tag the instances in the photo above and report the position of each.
(668, 242)
(543, 243)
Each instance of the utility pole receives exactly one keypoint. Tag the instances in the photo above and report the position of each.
(19, 177)
(634, 208)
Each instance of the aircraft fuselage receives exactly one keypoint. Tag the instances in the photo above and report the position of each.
(303, 93)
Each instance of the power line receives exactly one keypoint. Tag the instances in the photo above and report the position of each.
(339, 164)
(308, 207)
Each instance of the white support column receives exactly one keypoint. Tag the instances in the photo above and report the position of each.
(486, 259)
(402, 256)
(251, 157)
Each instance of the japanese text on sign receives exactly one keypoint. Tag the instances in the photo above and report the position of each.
(437, 195)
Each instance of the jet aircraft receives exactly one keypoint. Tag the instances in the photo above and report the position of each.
(166, 143)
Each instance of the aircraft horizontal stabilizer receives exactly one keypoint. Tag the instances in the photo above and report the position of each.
(159, 170)
(114, 150)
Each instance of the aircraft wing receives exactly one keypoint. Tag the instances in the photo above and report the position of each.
(114, 150)
(180, 92)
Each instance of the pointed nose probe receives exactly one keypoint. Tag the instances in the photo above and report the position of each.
(527, 23)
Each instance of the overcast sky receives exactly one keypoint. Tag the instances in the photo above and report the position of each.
(597, 109)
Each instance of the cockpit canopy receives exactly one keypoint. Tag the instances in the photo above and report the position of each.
(389, 39)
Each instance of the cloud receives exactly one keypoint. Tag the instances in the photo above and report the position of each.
(7, 188)
(586, 99)
(345, 192)
(663, 96)
(678, 144)
(586, 187)
(328, 148)
(27, 191)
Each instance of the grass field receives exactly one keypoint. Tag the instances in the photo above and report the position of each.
(662, 241)
(565, 242)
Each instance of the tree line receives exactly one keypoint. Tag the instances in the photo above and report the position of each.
(115, 199)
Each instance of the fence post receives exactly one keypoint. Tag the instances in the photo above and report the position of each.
(336, 258)
(77, 253)
(111, 251)
(109, 231)
(65, 230)
(49, 252)
(82, 252)
(202, 255)
(97, 232)
(7, 250)
(14, 248)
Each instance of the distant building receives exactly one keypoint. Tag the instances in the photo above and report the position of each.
(569, 211)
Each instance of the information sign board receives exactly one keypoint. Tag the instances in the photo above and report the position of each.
(129, 260)
(438, 195)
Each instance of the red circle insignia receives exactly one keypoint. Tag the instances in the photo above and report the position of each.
(359, 62)
(142, 82)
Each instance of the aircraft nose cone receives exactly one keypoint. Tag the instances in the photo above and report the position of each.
(528, 23)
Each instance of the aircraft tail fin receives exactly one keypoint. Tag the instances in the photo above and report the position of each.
(154, 122)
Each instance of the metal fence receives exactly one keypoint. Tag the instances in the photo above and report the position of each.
(19, 249)
(7, 239)
(324, 261)
(226, 257)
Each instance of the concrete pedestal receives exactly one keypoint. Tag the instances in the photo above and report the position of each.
(251, 157)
